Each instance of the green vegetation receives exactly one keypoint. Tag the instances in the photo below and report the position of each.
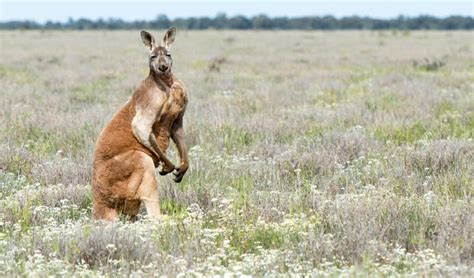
(400, 135)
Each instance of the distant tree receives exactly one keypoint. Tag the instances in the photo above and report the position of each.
(399, 23)
(220, 21)
(262, 22)
(179, 23)
(281, 23)
(239, 22)
(379, 24)
(457, 22)
(352, 22)
(83, 24)
(191, 23)
(422, 22)
(160, 22)
(52, 25)
(204, 23)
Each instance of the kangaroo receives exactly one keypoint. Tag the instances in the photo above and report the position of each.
(135, 141)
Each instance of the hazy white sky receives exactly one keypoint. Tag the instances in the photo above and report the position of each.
(41, 10)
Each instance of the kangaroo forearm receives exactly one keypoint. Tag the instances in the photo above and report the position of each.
(156, 149)
(183, 152)
(181, 146)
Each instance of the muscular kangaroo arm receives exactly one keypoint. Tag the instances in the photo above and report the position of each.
(161, 155)
(177, 134)
(142, 125)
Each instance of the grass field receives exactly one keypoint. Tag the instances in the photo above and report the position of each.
(323, 153)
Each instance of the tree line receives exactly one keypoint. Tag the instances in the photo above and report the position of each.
(222, 21)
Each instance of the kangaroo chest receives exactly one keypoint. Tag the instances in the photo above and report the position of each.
(172, 108)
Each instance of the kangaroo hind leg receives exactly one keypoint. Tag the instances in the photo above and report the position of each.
(148, 189)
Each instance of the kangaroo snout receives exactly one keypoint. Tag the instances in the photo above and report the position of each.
(163, 68)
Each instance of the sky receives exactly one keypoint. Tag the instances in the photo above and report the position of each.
(55, 10)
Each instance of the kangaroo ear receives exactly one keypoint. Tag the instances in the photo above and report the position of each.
(148, 40)
(168, 39)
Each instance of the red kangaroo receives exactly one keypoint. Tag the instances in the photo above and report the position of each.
(135, 141)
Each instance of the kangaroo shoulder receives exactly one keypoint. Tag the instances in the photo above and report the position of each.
(179, 90)
(147, 96)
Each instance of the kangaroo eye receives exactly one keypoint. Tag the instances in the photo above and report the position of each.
(168, 55)
(153, 57)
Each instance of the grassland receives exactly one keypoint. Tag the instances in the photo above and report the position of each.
(321, 153)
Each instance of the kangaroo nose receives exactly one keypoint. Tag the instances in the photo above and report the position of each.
(163, 67)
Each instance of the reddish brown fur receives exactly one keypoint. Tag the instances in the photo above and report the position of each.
(123, 168)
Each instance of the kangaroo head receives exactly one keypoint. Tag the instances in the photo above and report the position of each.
(159, 58)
